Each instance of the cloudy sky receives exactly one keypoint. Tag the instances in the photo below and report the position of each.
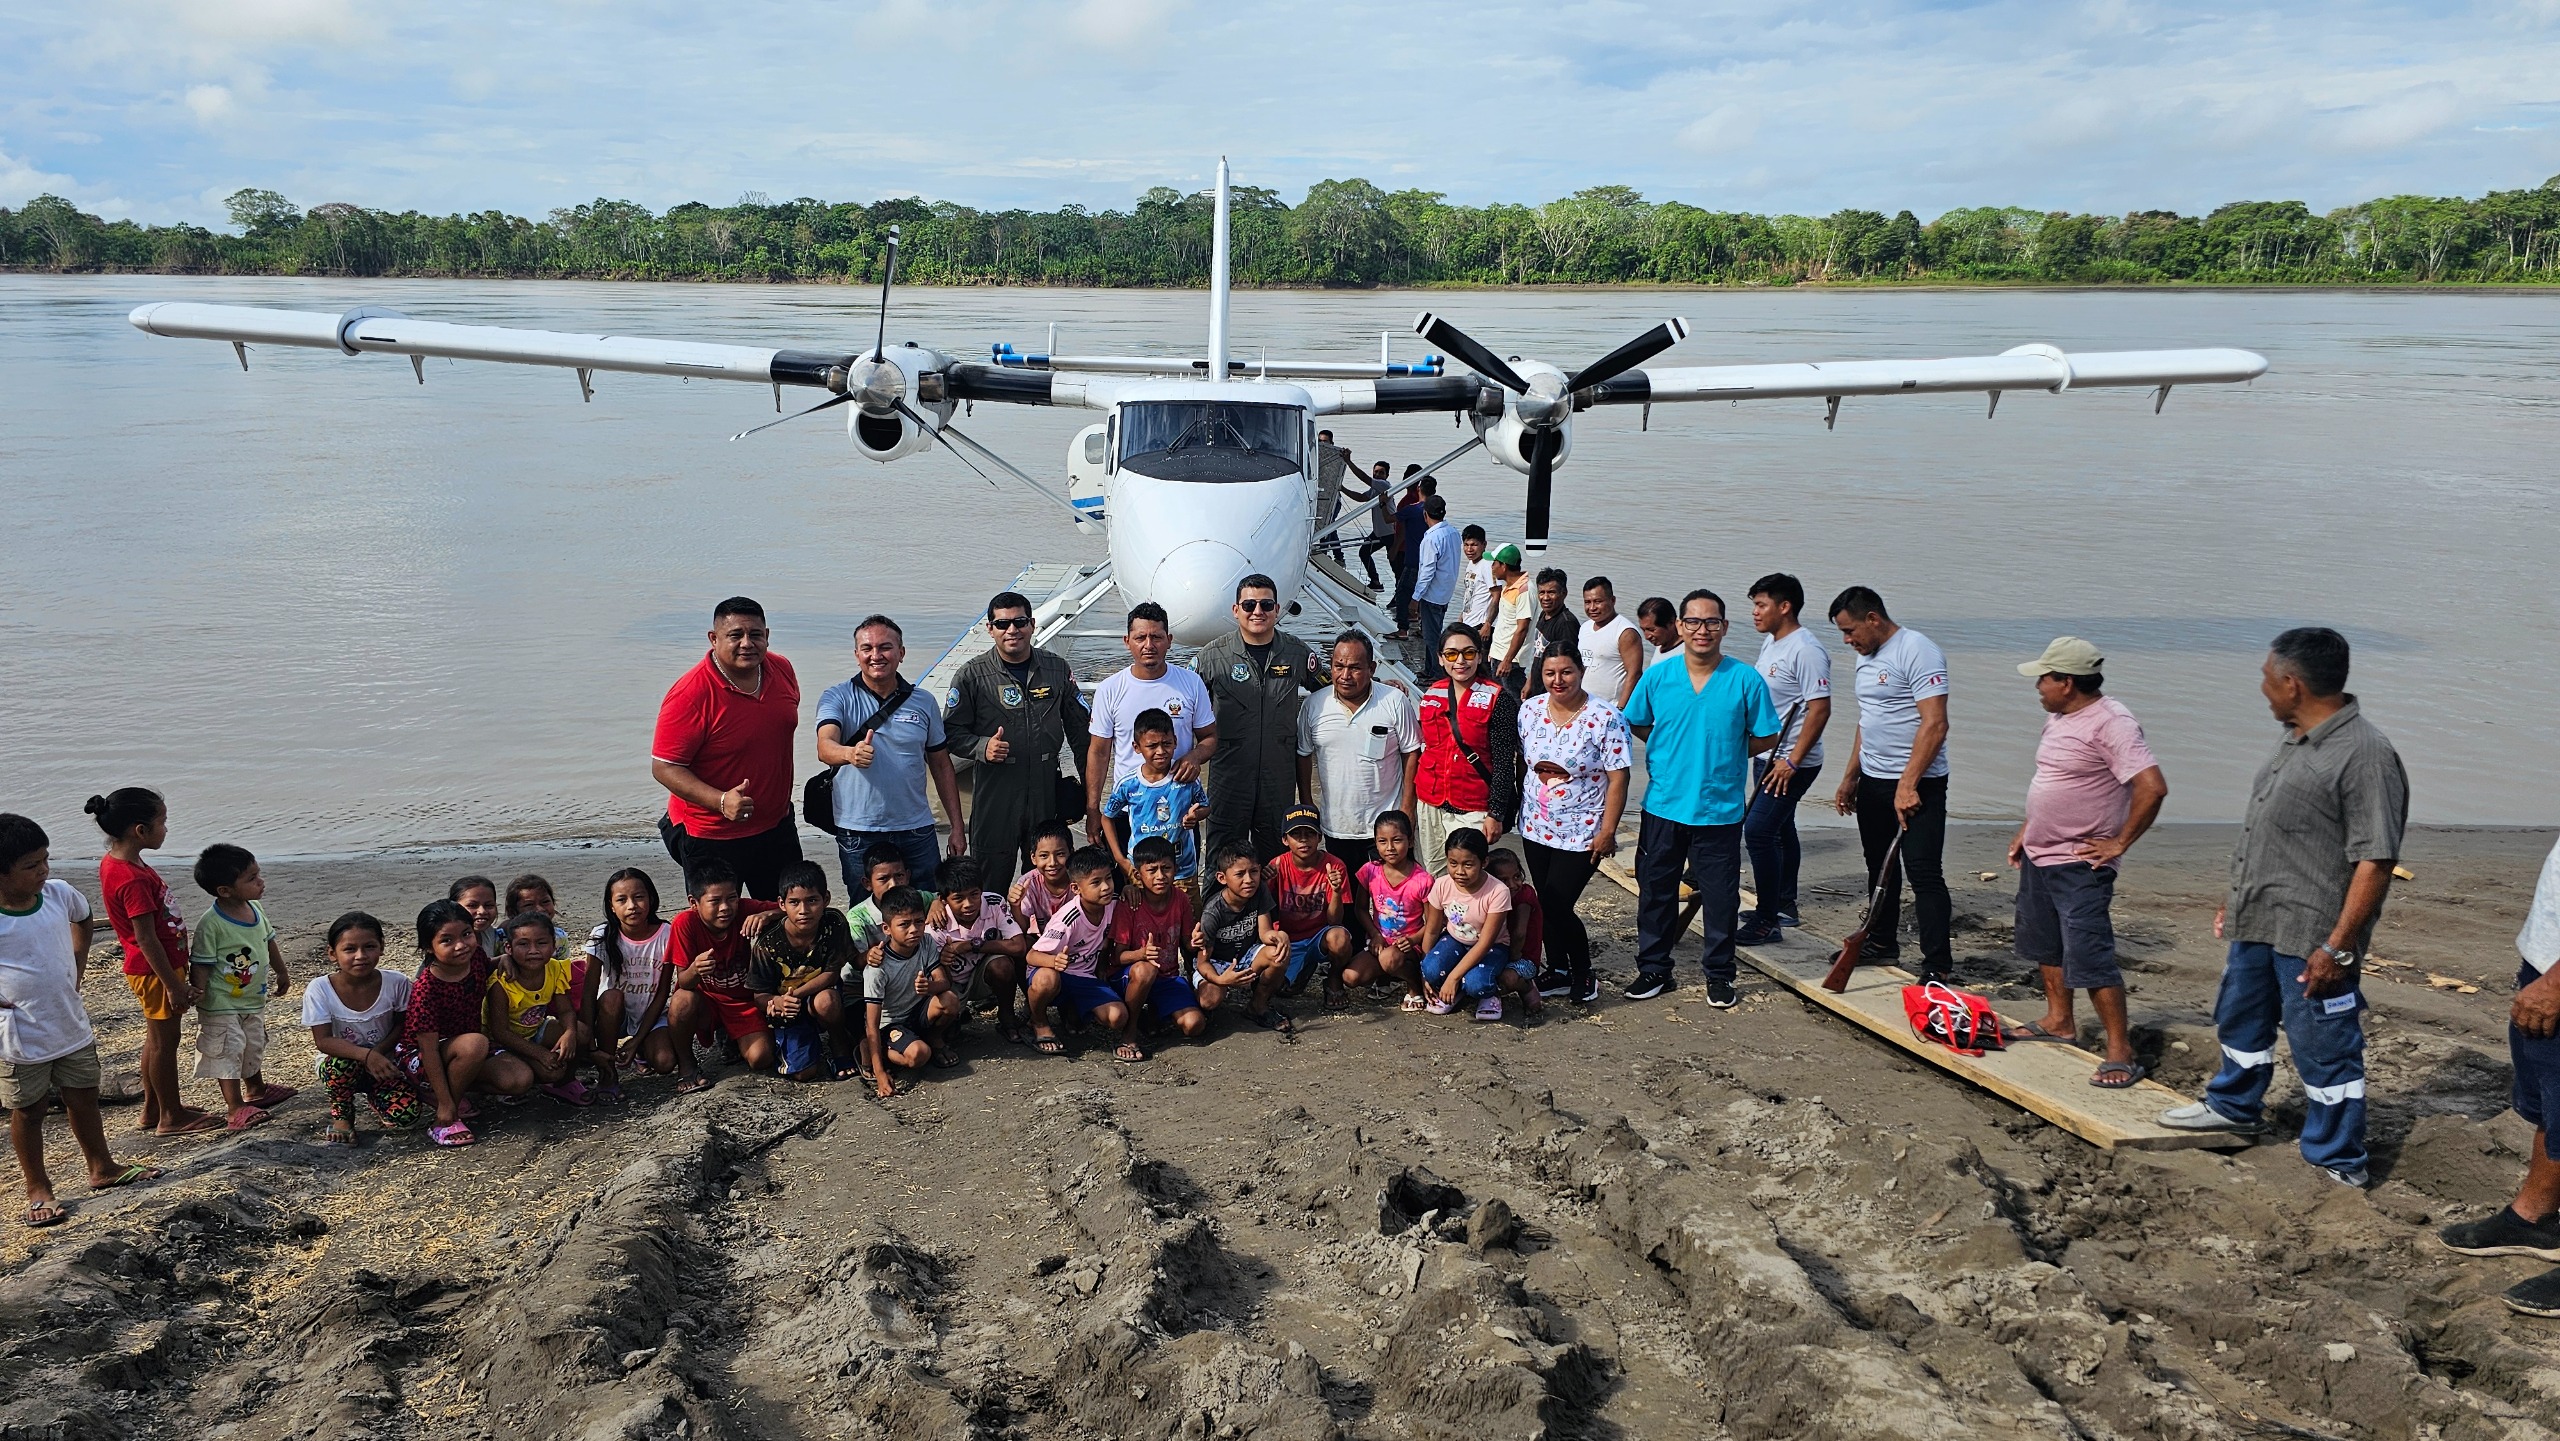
(158, 108)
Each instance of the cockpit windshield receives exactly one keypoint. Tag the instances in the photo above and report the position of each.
(1211, 440)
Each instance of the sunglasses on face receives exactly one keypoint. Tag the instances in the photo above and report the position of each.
(1459, 653)
(1255, 606)
(1011, 622)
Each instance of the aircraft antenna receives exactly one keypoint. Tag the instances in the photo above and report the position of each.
(1218, 280)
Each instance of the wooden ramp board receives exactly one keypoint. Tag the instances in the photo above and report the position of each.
(2048, 1079)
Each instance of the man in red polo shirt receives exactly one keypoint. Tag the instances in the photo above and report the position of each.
(723, 751)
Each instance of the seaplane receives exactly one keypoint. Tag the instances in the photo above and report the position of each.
(1204, 468)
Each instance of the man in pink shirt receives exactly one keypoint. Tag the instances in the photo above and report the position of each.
(2097, 788)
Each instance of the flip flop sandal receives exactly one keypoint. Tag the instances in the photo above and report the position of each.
(1129, 1052)
(274, 1096)
(1489, 1009)
(570, 1092)
(693, 1086)
(1275, 1019)
(2030, 1031)
(849, 1073)
(1335, 998)
(456, 1134)
(1437, 1007)
(339, 1135)
(2117, 1075)
(1049, 1045)
(1412, 1005)
(197, 1127)
(42, 1214)
(945, 1057)
(246, 1117)
(133, 1175)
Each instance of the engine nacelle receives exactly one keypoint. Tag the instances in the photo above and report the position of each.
(879, 431)
(1507, 439)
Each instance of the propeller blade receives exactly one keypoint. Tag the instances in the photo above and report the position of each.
(1632, 354)
(888, 274)
(1543, 445)
(795, 415)
(1475, 357)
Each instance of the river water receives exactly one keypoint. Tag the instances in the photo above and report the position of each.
(324, 608)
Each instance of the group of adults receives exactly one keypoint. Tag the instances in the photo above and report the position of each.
(1268, 721)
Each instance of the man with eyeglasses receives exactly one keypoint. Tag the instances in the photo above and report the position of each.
(1896, 782)
(1255, 675)
(1702, 721)
(1012, 707)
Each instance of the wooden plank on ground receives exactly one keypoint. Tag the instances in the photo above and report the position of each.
(2048, 1079)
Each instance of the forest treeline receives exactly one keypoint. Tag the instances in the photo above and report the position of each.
(1344, 232)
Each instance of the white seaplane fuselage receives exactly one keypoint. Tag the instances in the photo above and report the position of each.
(1209, 483)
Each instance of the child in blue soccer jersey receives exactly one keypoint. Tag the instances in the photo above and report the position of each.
(1152, 803)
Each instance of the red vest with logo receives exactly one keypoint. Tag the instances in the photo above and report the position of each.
(1445, 777)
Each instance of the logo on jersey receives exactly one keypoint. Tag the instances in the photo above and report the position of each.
(1240, 673)
(1173, 708)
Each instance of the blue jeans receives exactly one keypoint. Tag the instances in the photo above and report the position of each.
(1712, 857)
(1769, 831)
(920, 846)
(2259, 992)
(1479, 982)
(1435, 619)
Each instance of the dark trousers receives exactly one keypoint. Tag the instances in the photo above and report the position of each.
(1923, 860)
(1712, 858)
(1433, 620)
(758, 859)
(1769, 831)
(1560, 877)
(1404, 590)
(1369, 556)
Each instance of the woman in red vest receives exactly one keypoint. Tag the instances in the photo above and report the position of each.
(1469, 774)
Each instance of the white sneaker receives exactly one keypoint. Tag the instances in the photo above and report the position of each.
(2197, 1116)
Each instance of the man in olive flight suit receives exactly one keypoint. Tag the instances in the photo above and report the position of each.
(1011, 707)
(1257, 676)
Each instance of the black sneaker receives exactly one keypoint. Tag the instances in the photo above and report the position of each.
(1880, 956)
(2537, 1297)
(1590, 992)
(1722, 995)
(1555, 983)
(1788, 918)
(1943, 975)
(2504, 1234)
(1645, 988)
(1757, 931)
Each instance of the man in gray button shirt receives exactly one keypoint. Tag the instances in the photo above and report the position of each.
(2308, 879)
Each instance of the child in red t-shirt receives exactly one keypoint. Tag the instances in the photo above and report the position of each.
(444, 1043)
(155, 941)
(1309, 887)
(1148, 930)
(708, 949)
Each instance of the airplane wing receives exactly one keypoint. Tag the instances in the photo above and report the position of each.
(2028, 367)
(372, 330)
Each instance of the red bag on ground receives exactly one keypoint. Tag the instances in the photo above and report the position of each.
(1958, 1020)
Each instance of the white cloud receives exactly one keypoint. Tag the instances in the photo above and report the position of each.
(2399, 120)
(1720, 131)
(210, 103)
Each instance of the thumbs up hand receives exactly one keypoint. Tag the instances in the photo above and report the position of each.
(736, 804)
(998, 750)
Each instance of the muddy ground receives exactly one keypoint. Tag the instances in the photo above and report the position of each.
(1642, 1221)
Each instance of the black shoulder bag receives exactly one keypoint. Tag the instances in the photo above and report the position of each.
(818, 796)
(1483, 772)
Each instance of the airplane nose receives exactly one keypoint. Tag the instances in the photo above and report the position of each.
(1196, 585)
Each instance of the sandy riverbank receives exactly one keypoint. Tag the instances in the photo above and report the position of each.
(1755, 1223)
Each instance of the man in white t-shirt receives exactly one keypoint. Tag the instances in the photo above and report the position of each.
(1897, 782)
(46, 1044)
(1145, 684)
(1476, 586)
(1358, 745)
(1612, 651)
(1798, 671)
(1659, 624)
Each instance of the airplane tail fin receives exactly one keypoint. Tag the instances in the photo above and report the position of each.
(1218, 281)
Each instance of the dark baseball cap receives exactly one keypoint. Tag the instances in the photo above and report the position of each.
(1302, 818)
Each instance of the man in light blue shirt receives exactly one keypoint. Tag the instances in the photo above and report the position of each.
(880, 784)
(1702, 719)
(1435, 583)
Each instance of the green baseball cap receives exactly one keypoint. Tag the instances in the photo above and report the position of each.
(1508, 555)
(2068, 655)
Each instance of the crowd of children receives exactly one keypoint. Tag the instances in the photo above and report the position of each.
(1131, 940)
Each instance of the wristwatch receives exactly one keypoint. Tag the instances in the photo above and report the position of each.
(2346, 959)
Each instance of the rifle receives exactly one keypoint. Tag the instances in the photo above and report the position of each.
(1763, 788)
(1847, 961)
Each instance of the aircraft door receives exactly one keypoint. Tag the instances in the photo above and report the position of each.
(1088, 465)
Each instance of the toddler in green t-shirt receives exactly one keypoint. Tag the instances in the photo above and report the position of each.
(229, 964)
